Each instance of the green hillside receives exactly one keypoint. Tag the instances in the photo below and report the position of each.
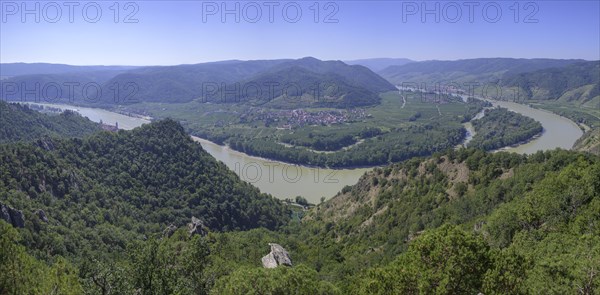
(184, 83)
(378, 64)
(20, 123)
(481, 70)
(463, 221)
(589, 142)
(578, 82)
(570, 88)
(106, 189)
(572, 91)
(309, 82)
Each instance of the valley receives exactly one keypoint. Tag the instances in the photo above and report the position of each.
(182, 196)
(286, 181)
(300, 148)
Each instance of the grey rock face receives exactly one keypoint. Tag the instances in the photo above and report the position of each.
(169, 230)
(42, 215)
(46, 143)
(269, 261)
(197, 227)
(278, 256)
(17, 218)
(12, 216)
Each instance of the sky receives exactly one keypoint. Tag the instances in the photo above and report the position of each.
(186, 32)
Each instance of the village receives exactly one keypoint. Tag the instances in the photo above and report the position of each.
(289, 119)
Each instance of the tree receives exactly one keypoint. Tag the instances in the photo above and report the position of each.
(278, 281)
(21, 273)
(447, 260)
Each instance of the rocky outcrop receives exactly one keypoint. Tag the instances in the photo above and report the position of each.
(46, 143)
(12, 216)
(169, 230)
(278, 256)
(41, 215)
(197, 227)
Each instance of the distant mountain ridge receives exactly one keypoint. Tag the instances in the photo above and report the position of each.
(378, 64)
(579, 81)
(480, 70)
(309, 81)
(353, 85)
(19, 69)
(184, 83)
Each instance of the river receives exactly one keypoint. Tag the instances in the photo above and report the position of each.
(288, 181)
(559, 132)
(276, 178)
(470, 129)
(284, 180)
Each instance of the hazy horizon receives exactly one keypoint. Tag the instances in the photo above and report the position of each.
(227, 60)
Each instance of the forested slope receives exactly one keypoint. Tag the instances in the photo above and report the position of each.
(102, 191)
(463, 221)
(501, 127)
(20, 123)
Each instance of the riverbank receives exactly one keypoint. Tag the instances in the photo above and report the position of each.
(560, 131)
(285, 180)
(516, 145)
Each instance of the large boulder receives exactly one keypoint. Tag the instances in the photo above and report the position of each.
(12, 216)
(278, 256)
(197, 227)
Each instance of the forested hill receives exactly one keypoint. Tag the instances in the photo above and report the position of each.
(104, 190)
(519, 225)
(579, 82)
(378, 64)
(226, 81)
(311, 82)
(480, 70)
(461, 222)
(19, 122)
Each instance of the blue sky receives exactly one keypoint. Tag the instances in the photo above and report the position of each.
(178, 32)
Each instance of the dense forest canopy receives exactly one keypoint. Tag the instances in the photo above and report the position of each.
(501, 127)
(460, 221)
(106, 189)
(20, 123)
